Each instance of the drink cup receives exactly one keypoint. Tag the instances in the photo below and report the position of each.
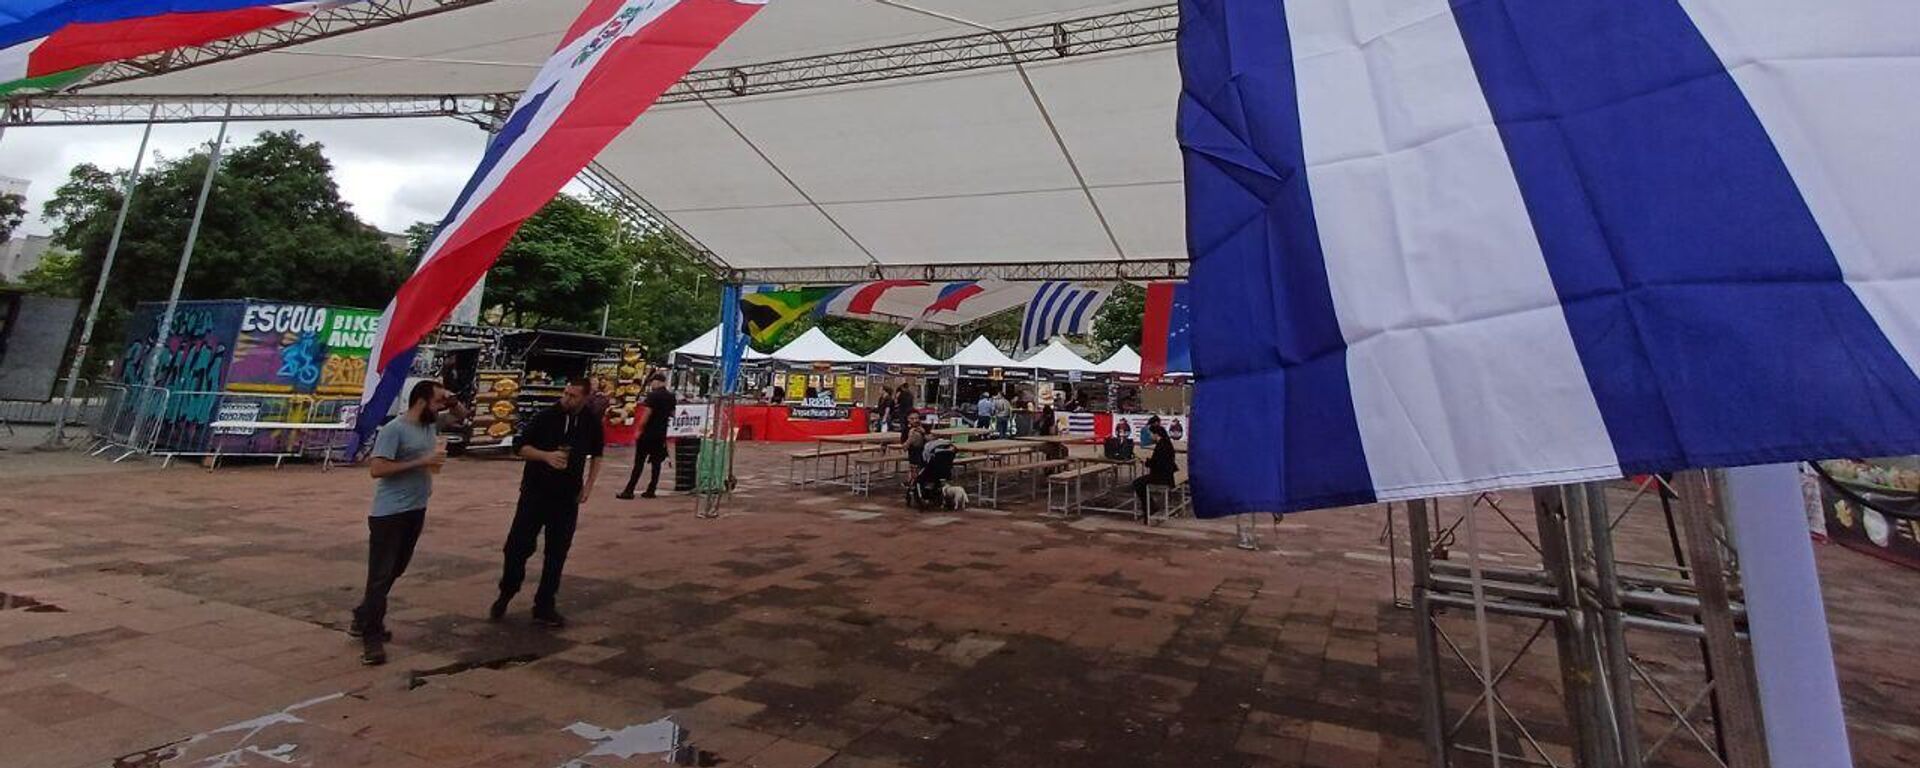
(439, 449)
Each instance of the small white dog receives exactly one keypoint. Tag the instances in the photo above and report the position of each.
(955, 496)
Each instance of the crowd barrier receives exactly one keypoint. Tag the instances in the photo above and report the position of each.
(159, 422)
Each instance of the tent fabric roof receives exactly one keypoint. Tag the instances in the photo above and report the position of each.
(1055, 356)
(957, 168)
(813, 347)
(1123, 360)
(708, 345)
(900, 350)
(983, 354)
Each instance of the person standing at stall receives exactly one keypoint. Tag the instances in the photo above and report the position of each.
(561, 447)
(902, 409)
(652, 445)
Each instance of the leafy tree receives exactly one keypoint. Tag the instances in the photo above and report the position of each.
(1118, 322)
(562, 269)
(53, 276)
(13, 210)
(670, 299)
(275, 228)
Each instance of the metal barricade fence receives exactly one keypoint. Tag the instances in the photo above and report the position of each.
(276, 426)
(126, 418)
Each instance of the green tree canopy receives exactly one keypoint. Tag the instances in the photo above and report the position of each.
(564, 267)
(1118, 322)
(13, 210)
(275, 228)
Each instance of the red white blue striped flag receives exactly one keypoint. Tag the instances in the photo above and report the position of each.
(51, 44)
(615, 61)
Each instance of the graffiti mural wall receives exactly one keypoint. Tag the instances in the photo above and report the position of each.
(250, 361)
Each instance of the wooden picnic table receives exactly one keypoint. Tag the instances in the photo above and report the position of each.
(1057, 439)
(995, 446)
(961, 431)
(869, 438)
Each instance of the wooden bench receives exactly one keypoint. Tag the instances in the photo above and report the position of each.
(812, 460)
(1174, 500)
(866, 468)
(1031, 469)
(1071, 490)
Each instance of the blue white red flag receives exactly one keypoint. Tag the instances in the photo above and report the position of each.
(52, 44)
(925, 303)
(1442, 246)
(615, 61)
(1166, 332)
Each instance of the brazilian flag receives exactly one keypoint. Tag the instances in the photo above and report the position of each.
(766, 313)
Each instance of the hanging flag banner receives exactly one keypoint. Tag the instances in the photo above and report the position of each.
(1059, 308)
(764, 314)
(1457, 246)
(48, 46)
(926, 304)
(1166, 332)
(613, 63)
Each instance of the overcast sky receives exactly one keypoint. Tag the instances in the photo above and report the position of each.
(393, 172)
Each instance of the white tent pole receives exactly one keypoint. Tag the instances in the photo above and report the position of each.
(186, 252)
(1798, 690)
(58, 435)
(1038, 103)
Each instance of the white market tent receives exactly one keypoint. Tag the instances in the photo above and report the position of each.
(813, 347)
(900, 350)
(828, 141)
(706, 348)
(983, 354)
(1123, 361)
(1055, 356)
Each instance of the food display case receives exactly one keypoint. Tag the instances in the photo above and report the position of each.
(1873, 506)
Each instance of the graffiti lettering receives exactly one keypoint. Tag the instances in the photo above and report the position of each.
(284, 318)
(343, 372)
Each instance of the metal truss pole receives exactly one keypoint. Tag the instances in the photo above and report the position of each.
(59, 434)
(1433, 687)
(186, 254)
(1701, 505)
(1612, 629)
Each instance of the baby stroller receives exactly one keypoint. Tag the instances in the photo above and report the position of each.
(928, 489)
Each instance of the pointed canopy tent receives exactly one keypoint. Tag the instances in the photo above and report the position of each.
(982, 360)
(900, 350)
(813, 347)
(1124, 362)
(705, 350)
(1056, 357)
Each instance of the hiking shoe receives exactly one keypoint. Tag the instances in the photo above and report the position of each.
(624, 495)
(498, 610)
(357, 632)
(647, 495)
(549, 618)
(373, 654)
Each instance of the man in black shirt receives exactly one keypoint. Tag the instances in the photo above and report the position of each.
(561, 447)
(652, 445)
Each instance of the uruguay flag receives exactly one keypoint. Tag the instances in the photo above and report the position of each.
(615, 61)
(51, 44)
(1060, 307)
(1441, 246)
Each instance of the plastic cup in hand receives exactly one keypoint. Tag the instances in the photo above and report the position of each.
(439, 449)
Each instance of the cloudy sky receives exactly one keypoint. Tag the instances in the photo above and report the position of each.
(393, 172)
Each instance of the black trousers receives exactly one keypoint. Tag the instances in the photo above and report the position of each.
(537, 514)
(390, 541)
(1140, 488)
(647, 452)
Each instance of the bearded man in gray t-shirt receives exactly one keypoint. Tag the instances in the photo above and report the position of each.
(406, 455)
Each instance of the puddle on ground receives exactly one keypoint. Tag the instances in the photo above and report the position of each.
(418, 677)
(23, 603)
(661, 737)
(239, 737)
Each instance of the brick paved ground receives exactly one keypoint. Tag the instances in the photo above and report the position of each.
(169, 617)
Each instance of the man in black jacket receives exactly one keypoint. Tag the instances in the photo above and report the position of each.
(561, 447)
(1160, 464)
(651, 448)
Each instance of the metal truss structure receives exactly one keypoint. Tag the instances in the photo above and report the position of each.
(1653, 662)
(1039, 43)
(1132, 269)
(332, 22)
(87, 109)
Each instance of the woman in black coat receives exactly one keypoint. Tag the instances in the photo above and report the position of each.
(1160, 465)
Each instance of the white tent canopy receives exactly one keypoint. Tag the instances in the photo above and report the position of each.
(1055, 356)
(813, 347)
(900, 350)
(957, 168)
(1122, 361)
(983, 354)
(707, 346)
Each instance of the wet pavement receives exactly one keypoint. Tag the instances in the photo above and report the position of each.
(188, 618)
